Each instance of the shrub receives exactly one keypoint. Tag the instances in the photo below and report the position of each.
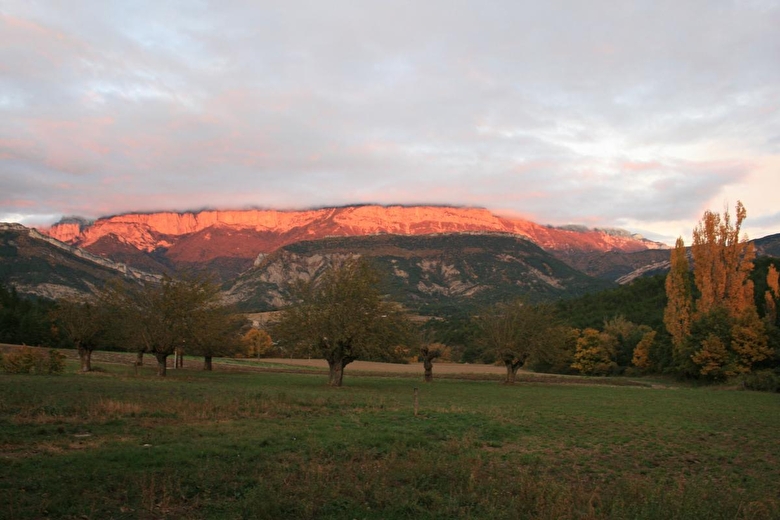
(28, 360)
(762, 380)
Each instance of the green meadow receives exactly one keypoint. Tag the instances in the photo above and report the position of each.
(116, 444)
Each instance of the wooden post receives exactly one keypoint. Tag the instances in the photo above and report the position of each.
(416, 401)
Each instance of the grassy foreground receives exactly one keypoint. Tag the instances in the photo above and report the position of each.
(276, 445)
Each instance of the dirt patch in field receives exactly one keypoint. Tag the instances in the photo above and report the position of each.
(395, 368)
(441, 370)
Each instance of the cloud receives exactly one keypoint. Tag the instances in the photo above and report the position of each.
(602, 113)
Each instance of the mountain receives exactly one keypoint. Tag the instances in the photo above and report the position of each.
(228, 242)
(768, 246)
(37, 264)
(430, 273)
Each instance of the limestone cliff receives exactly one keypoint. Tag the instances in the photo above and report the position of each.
(211, 236)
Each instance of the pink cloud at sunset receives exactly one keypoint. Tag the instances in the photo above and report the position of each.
(607, 114)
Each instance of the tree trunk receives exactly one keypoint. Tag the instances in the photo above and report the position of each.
(162, 364)
(85, 357)
(428, 365)
(207, 363)
(511, 372)
(139, 358)
(336, 372)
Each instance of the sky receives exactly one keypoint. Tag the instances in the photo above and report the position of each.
(639, 115)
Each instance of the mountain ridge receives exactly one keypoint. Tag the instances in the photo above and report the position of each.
(230, 240)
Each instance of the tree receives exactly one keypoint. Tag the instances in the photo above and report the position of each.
(429, 351)
(342, 317)
(81, 321)
(160, 317)
(722, 261)
(678, 312)
(595, 353)
(772, 294)
(216, 330)
(516, 331)
(641, 358)
(257, 343)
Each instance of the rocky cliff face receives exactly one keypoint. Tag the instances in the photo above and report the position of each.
(211, 237)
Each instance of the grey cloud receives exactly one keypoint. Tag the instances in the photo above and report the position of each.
(530, 106)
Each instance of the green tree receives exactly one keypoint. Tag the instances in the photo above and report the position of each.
(516, 332)
(215, 329)
(342, 317)
(159, 318)
(83, 322)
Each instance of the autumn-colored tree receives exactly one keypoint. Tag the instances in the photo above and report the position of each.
(343, 317)
(595, 353)
(749, 341)
(257, 343)
(772, 294)
(712, 358)
(722, 261)
(679, 309)
(641, 358)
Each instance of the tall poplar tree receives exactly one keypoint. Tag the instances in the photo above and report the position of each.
(722, 262)
(679, 309)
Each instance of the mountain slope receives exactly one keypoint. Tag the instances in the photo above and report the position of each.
(40, 265)
(229, 241)
(428, 273)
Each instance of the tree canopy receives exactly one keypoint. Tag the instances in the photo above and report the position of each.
(342, 317)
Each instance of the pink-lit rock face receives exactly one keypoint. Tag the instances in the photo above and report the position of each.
(262, 231)
(65, 232)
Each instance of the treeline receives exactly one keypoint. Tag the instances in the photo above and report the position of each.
(713, 317)
(26, 320)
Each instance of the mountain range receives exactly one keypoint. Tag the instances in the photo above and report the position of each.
(228, 242)
(433, 256)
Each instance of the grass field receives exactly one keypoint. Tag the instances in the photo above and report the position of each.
(243, 444)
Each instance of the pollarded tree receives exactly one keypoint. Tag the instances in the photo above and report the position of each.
(516, 332)
(429, 351)
(342, 317)
(83, 322)
(161, 317)
(215, 329)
